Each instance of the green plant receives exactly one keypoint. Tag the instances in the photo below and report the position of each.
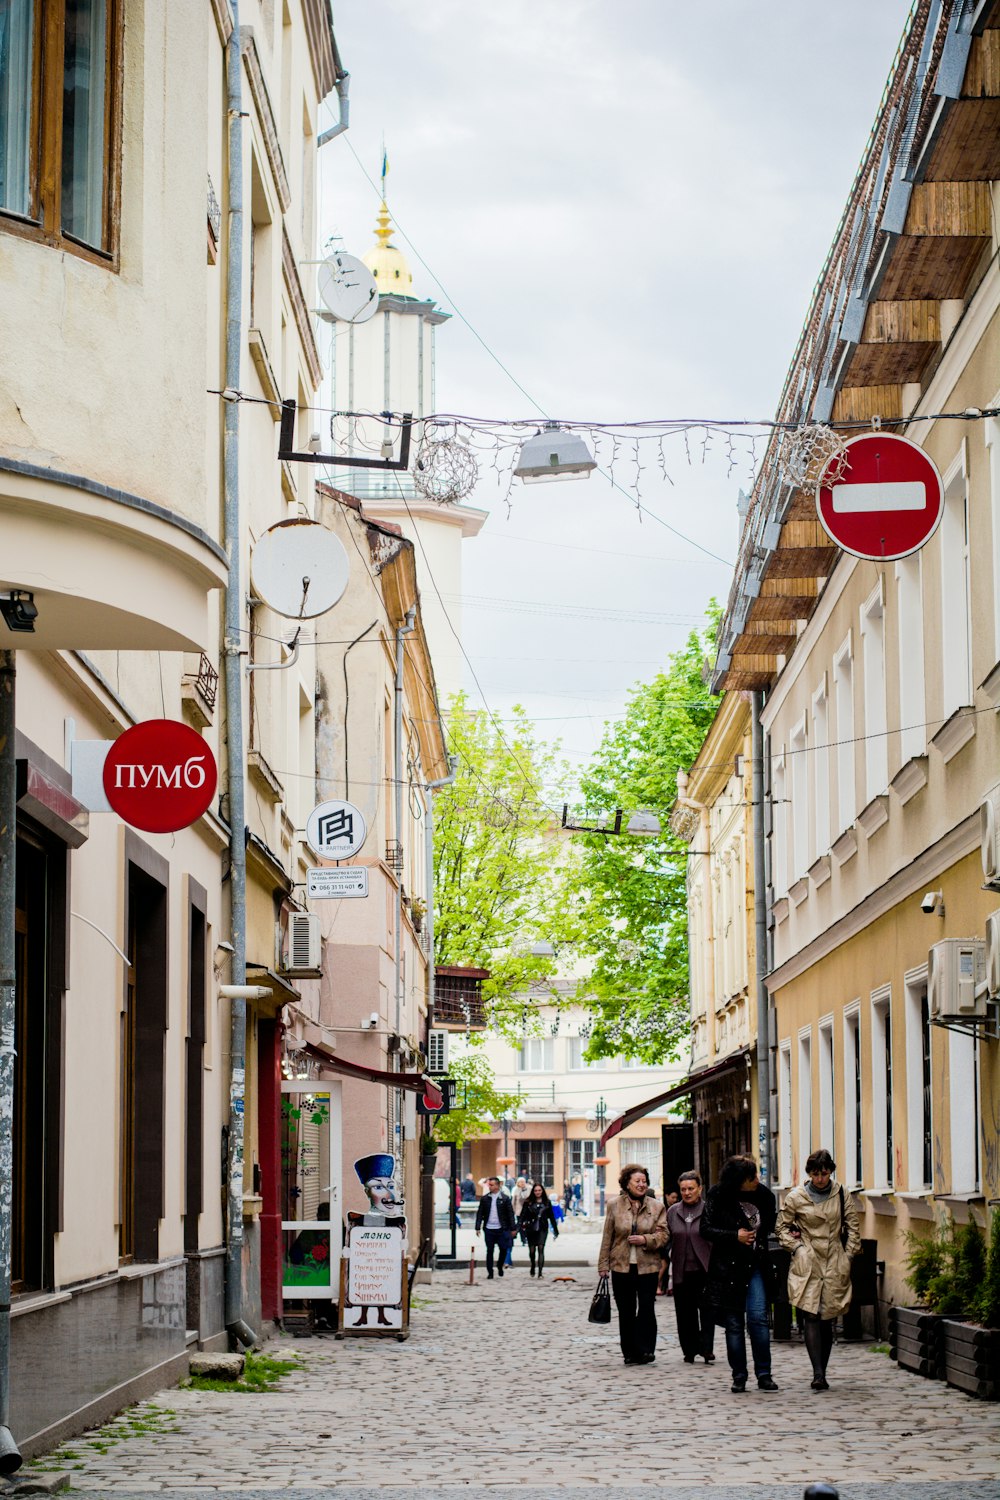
(947, 1269)
(969, 1265)
(260, 1373)
(428, 1145)
(925, 1257)
(985, 1306)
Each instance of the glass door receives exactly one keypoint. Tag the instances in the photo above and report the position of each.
(311, 1189)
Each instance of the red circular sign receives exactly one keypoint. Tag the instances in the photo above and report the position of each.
(887, 503)
(160, 776)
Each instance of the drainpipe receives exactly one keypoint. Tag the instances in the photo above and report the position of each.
(427, 1186)
(342, 86)
(239, 1331)
(760, 944)
(10, 1458)
(401, 631)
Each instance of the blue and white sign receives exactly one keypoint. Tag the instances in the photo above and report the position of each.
(348, 883)
(335, 830)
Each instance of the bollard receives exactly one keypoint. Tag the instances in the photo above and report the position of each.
(472, 1265)
(821, 1492)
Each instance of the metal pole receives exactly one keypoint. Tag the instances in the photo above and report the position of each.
(760, 944)
(10, 1458)
(396, 1140)
(236, 1326)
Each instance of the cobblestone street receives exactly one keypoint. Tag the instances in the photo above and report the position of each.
(506, 1381)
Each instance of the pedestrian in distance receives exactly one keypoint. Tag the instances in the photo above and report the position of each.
(495, 1219)
(567, 1197)
(738, 1220)
(689, 1257)
(635, 1229)
(518, 1198)
(820, 1226)
(535, 1220)
(576, 1189)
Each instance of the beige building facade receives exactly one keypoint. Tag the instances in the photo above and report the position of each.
(877, 681)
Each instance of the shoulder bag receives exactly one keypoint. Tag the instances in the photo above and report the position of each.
(600, 1303)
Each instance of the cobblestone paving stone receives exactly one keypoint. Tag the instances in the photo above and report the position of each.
(512, 1369)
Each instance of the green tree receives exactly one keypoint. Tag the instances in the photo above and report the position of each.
(477, 1101)
(633, 890)
(501, 873)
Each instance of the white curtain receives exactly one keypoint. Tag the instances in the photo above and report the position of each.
(16, 47)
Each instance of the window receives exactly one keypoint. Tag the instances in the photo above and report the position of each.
(645, 1152)
(918, 1084)
(576, 1046)
(800, 800)
(536, 1161)
(821, 770)
(785, 1112)
(779, 828)
(826, 1105)
(882, 1141)
(843, 688)
(993, 444)
(58, 119)
(635, 1062)
(805, 1096)
(963, 1093)
(142, 1046)
(535, 1055)
(581, 1156)
(910, 627)
(853, 1166)
(876, 740)
(956, 648)
(195, 1063)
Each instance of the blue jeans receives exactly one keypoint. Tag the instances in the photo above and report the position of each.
(755, 1322)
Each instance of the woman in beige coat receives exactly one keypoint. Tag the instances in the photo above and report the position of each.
(635, 1230)
(818, 1223)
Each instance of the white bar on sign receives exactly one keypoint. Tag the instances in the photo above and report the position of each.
(899, 495)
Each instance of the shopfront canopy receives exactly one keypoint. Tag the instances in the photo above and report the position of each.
(695, 1081)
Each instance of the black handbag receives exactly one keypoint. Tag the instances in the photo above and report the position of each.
(600, 1303)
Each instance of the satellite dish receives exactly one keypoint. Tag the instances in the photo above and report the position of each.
(299, 569)
(347, 288)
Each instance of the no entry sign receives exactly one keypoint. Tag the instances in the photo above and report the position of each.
(887, 503)
(160, 776)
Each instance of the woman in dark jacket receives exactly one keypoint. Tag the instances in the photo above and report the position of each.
(739, 1217)
(689, 1257)
(533, 1225)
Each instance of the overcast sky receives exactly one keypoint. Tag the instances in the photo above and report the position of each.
(630, 202)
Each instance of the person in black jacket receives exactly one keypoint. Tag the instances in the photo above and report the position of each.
(495, 1218)
(533, 1225)
(739, 1216)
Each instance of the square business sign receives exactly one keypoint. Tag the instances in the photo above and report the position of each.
(349, 882)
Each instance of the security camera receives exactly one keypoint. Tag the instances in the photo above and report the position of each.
(19, 610)
(369, 1023)
(314, 442)
(932, 903)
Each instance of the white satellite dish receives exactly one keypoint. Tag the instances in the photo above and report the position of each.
(347, 288)
(299, 569)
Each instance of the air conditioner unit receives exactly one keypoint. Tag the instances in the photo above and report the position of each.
(989, 836)
(993, 956)
(437, 1052)
(956, 979)
(305, 946)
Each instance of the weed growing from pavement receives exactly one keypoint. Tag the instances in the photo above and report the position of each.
(878, 1348)
(260, 1373)
(137, 1421)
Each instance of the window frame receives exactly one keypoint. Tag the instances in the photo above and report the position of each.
(45, 144)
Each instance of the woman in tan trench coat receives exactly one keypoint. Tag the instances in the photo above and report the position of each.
(818, 1223)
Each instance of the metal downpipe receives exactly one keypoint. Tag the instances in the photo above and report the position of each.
(236, 1326)
(760, 944)
(10, 1458)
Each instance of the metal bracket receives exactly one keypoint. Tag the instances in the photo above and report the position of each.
(607, 829)
(287, 454)
(987, 1026)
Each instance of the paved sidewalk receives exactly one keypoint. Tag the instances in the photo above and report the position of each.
(513, 1369)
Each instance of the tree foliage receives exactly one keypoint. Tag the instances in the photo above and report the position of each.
(477, 1101)
(633, 890)
(500, 881)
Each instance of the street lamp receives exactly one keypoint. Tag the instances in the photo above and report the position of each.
(601, 1162)
(554, 453)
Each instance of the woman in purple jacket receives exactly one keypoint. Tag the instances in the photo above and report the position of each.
(689, 1253)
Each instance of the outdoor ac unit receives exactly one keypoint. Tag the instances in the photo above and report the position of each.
(437, 1052)
(993, 955)
(989, 835)
(305, 949)
(956, 979)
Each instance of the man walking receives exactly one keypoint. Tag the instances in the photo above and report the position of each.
(495, 1217)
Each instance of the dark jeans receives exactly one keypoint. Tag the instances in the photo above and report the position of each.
(695, 1327)
(755, 1321)
(496, 1239)
(635, 1298)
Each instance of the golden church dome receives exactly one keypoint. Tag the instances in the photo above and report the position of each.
(386, 263)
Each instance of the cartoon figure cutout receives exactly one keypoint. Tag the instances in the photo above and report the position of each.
(374, 1277)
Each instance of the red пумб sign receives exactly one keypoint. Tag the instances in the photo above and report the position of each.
(887, 502)
(160, 776)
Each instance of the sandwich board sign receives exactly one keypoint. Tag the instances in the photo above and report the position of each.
(887, 502)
